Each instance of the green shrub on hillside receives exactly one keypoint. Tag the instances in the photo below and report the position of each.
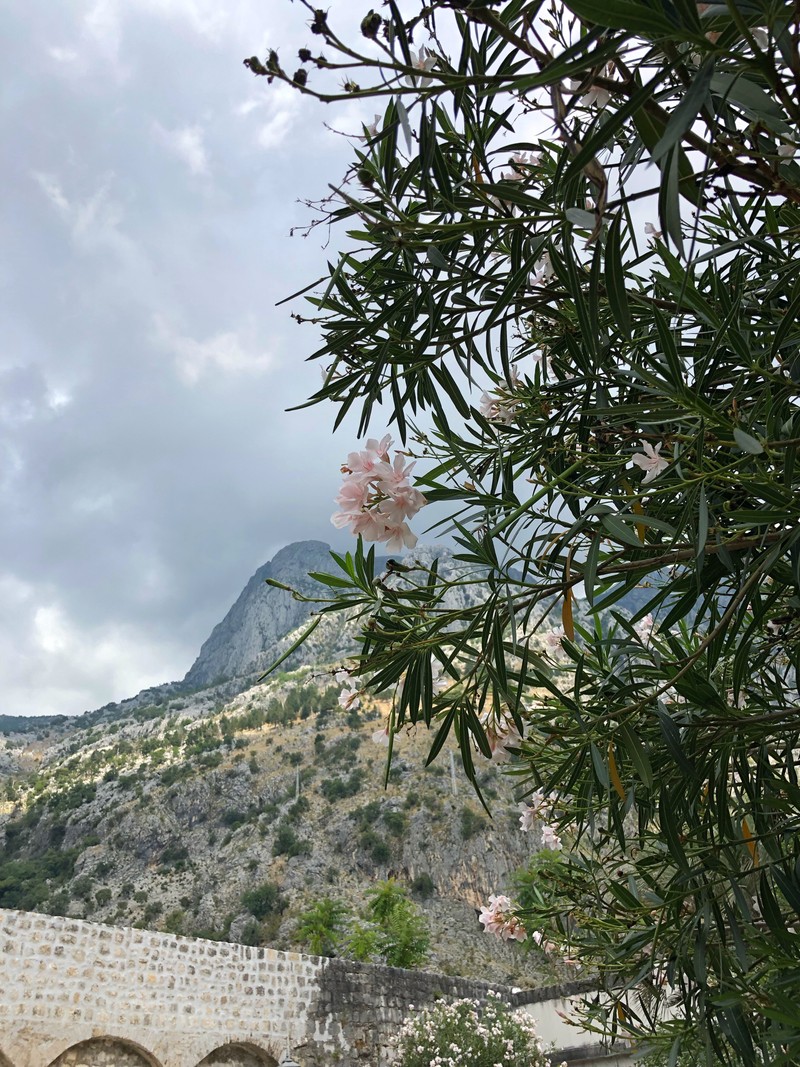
(265, 899)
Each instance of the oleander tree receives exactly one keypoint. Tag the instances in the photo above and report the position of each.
(569, 287)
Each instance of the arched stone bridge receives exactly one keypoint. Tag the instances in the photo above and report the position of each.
(79, 994)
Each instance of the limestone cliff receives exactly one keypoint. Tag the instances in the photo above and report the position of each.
(262, 614)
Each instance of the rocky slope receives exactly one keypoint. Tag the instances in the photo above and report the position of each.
(262, 615)
(168, 809)
(168, 818)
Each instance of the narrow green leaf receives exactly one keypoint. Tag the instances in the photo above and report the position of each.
(600, 765)
(638, 754)
(584, 220)
(615, 279)
(687, 110)
(648, 19)
(747, 443)
(436, 257)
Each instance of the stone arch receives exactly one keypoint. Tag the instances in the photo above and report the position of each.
(239, 1054)
(105, 1052)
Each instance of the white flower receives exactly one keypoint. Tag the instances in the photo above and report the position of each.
(495, 408)
(372, 129)
(554, 637)
(542, 271)
(651, 231)
(381, 737)
(594, 95)
(527, 818)
(550, 839)
(424, 61)
(349, 699)
(650, 461)
(520, 161)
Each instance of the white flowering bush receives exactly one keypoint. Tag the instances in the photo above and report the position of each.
(465, 1033)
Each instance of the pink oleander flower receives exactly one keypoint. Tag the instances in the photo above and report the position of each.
(651, 231)
(393, 476)
(403, 504)
(650, 461)
(498, 919)
(397, 536)
(644, 628)
(376, 496)
(352, 497)
(550, 839)
(364, 462)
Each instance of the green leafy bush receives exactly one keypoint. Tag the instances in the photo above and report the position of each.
(471, 823)
(265, 899)
(341, 788)
(287, 843)
(319, 927)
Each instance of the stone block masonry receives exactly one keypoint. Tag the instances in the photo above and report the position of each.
(80, 994)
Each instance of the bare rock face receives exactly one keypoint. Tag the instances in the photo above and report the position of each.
(244, 641)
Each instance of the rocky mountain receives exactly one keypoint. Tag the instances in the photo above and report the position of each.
(224, 807)
(242, 643)
(174, 816)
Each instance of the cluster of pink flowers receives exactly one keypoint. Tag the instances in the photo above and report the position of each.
(536, 808)
(499, 919)
(377, 496)
(521, 163)
(535, 811)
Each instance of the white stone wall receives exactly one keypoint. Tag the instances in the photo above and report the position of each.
(65, 981)
(79, 994)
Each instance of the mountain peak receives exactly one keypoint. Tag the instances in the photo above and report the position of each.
(242, 643)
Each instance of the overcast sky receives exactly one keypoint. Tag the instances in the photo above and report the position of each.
(147, 466)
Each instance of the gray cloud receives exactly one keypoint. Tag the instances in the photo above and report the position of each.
(147, 466)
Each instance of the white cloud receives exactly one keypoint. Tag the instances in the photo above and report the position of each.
(67, 56)
(71, 668)
(228, 352)
(188, 144)
(54, 193)
(95, 222)
(282, 105)
(276, 130)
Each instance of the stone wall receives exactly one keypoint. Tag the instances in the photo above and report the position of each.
(79, 994)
